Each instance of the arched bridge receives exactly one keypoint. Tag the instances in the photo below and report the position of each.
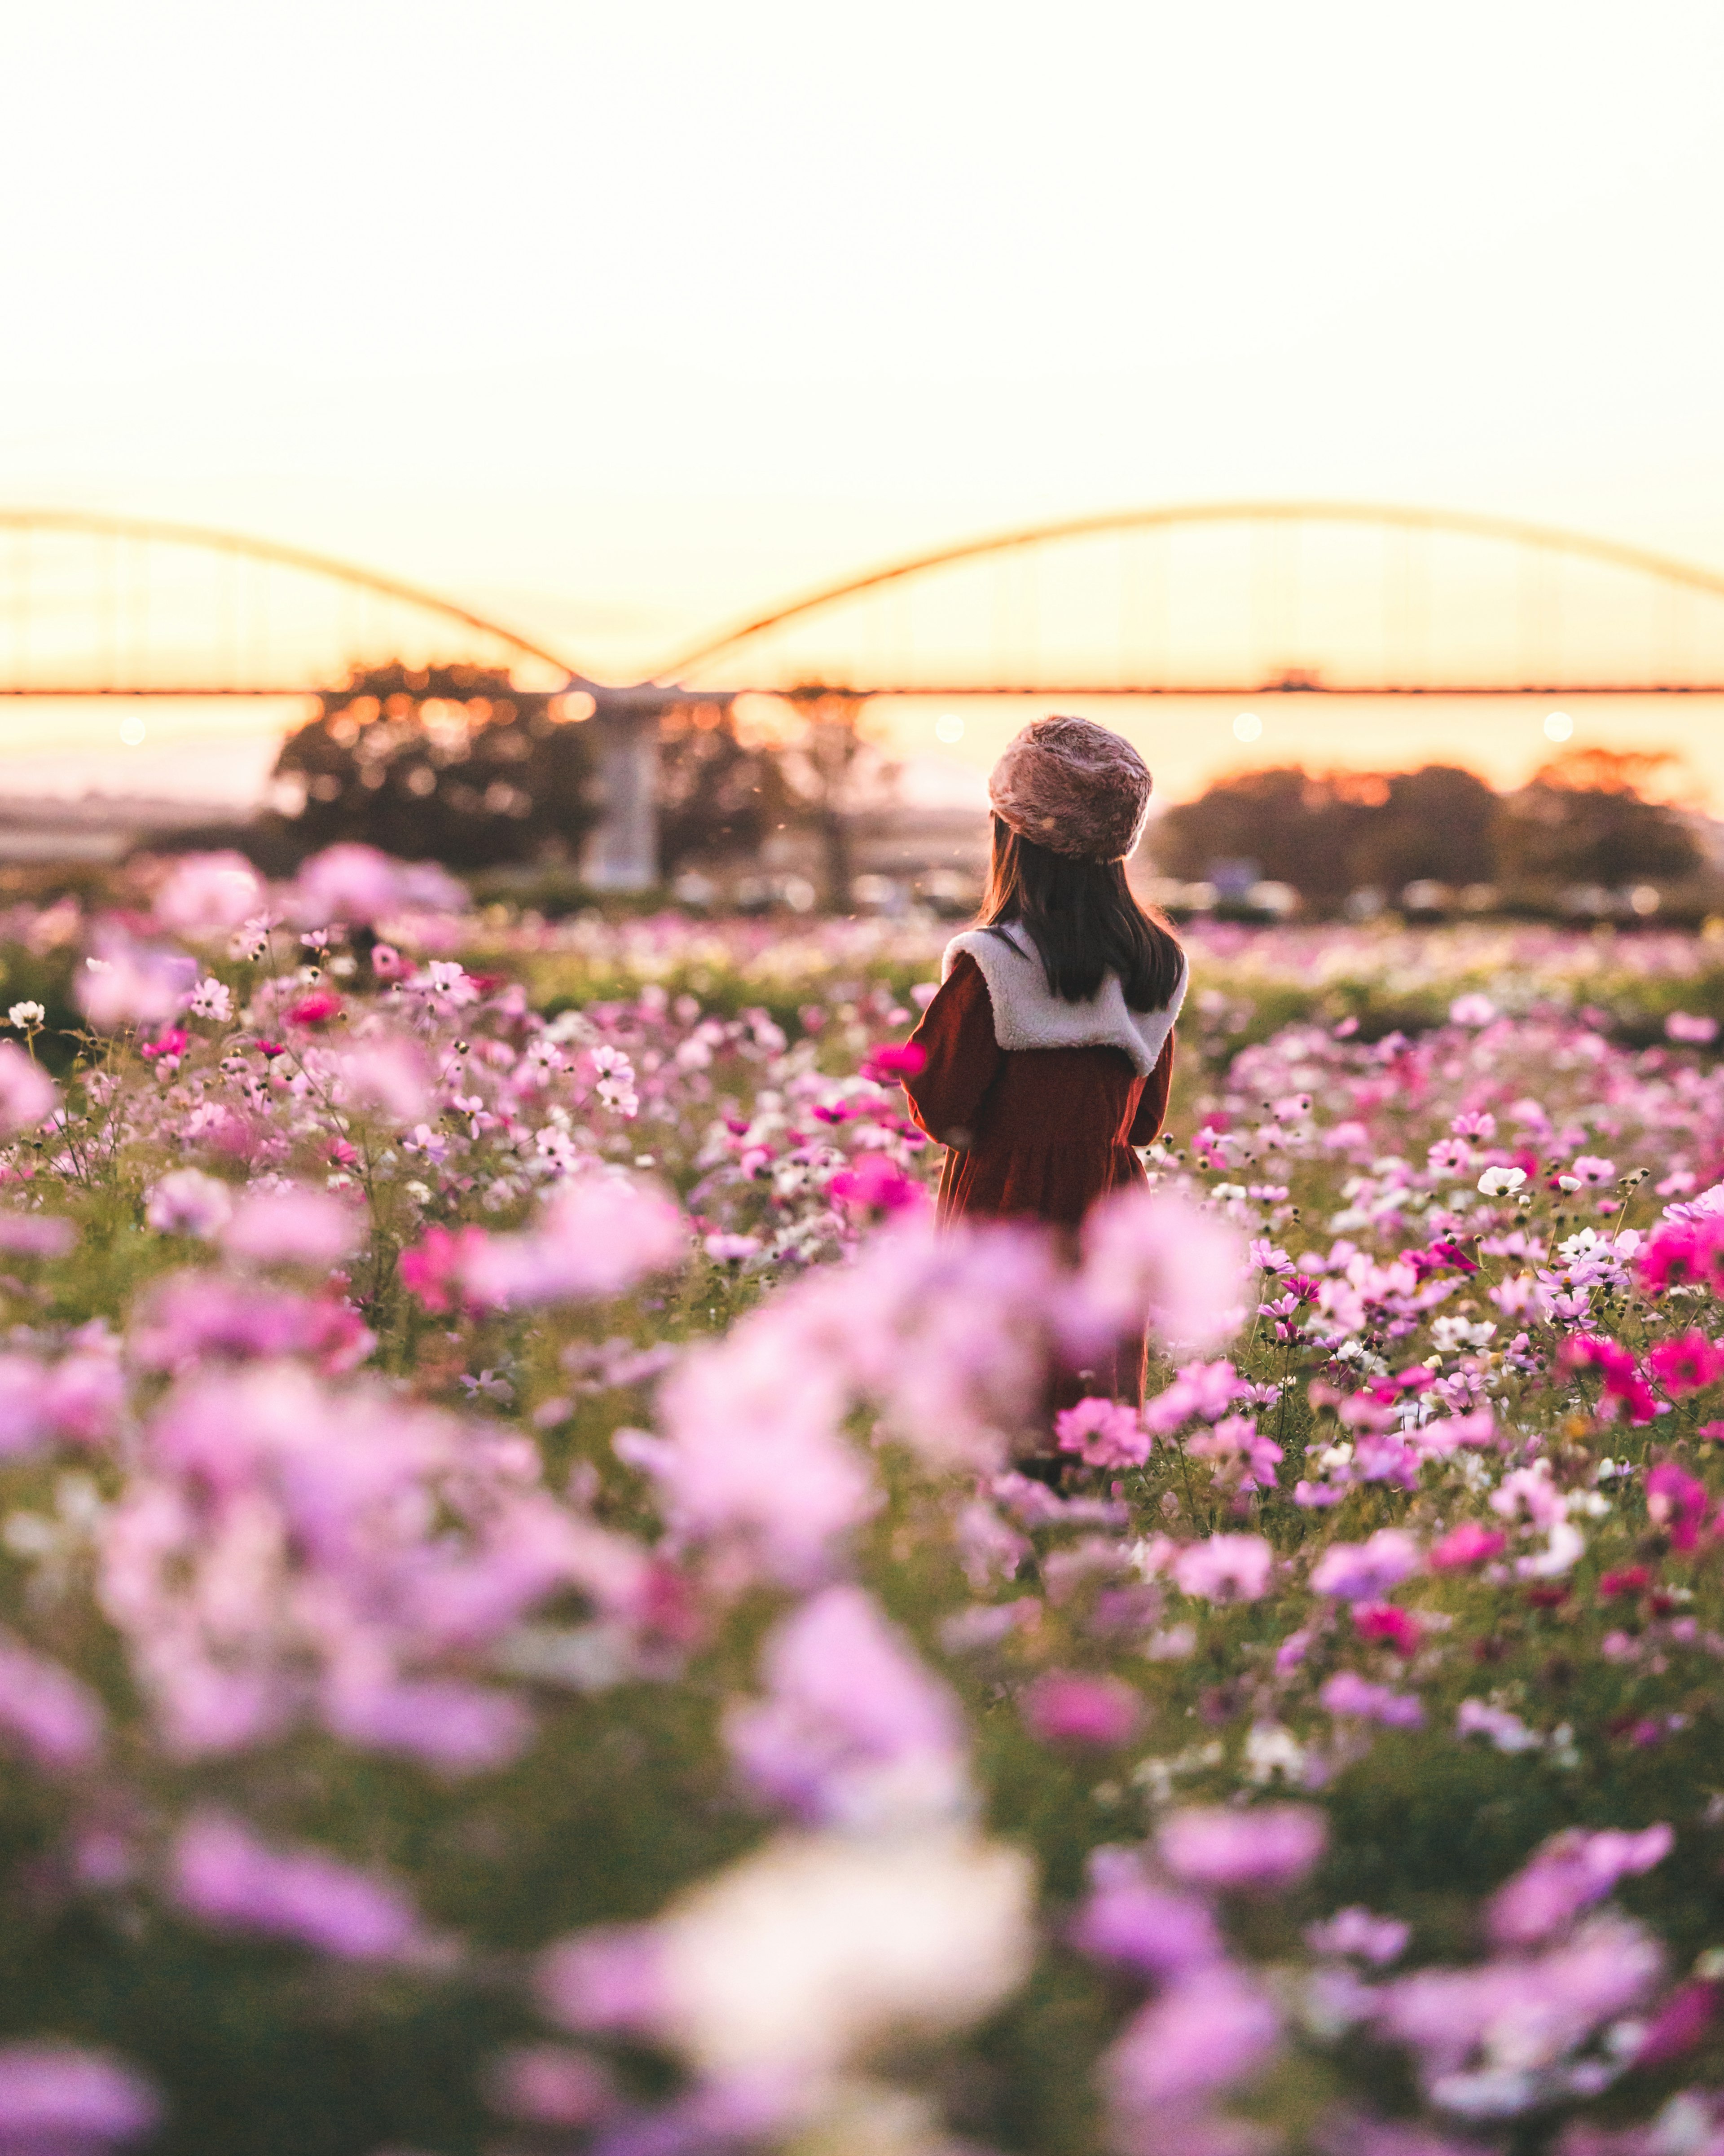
(115, 606)
(1235, 598)
(1209, 598)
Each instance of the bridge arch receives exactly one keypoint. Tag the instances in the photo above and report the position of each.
(1540, 543)
(50, 631)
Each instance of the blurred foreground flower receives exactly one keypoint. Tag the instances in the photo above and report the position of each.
(811, 1952)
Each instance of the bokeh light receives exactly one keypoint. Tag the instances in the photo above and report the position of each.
(949, 728)
(132, 730)
(1558, 727)
(1248, 727)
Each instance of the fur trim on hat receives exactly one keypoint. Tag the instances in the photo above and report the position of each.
(1073, 787)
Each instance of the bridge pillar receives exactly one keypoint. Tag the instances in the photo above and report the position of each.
(623, 851)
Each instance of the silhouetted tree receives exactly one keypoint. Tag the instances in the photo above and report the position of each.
(718, 797)
(1582, 819)
(452, 763)
(1286, 825)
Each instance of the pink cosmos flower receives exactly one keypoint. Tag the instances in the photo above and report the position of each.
(1104, 1432)
(877, 1184)
(58, 2101)
(597, 1236)
(549, 2085)
(1224, 1568)
(1149, 1256)
(1567, 1874)
(355, 883)
(205, 893)
(1088, 1713)
(1469, 1543)
(387, 1075)
(1209, 2030)
(28, 1095)
(1262, 1847)
(125, 983)
(292, 1226)
(1687, 1363)
(1676, 1500)
(228, 1878)
(55, 1719)
(316, 1009)
(188, 1203)
(853, 1731)
(1128, 1919)
(36, 1234)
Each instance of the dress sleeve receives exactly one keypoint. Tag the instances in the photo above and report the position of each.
(956, 1037)
(1153, 1101)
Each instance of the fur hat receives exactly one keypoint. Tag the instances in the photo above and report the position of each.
(1074, 788)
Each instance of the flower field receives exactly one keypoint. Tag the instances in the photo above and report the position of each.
(520, 1632)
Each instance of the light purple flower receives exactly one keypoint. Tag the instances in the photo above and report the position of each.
(188, 1203)
(1208, 2031)
(1104, 1433)
(1567, 1874)
(1264, 1846)
(1364, 1572)
(228, 1878)
(853, 1731)
(1128, 1919)
(58, 2101)
(1361, 1936)
(1347, 1693)
(597, 1236)
(125, 983)
(1224, 1568)
(53, 1716)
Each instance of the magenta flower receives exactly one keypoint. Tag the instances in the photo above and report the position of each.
(1087, 1714)
(1261, 1847)
(1103, 1433)
(1468, 1544)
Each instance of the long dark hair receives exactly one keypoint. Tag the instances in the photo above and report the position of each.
(1084, 920)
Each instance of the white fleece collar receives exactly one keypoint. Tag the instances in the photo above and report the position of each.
(1026, 1013)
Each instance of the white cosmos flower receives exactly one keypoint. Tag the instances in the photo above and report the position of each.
(811, 1951)
(1498, 1182)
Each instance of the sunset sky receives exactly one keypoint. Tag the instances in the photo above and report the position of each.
(620, 320)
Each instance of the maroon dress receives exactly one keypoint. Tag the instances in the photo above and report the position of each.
(1035, 1134)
